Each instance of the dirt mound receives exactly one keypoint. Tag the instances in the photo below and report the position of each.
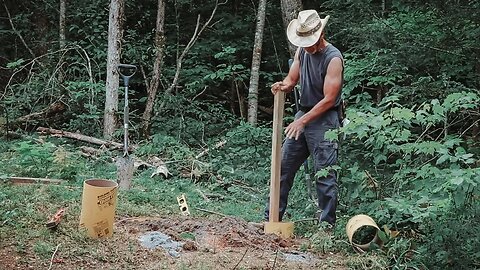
(228, 232)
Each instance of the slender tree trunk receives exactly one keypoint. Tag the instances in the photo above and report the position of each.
(62, 37)
(62, 23)
(41, 22)
(196, 34)
(242, 105)
(290, 9)
(115, 33)
(256, 59)
(157, 69)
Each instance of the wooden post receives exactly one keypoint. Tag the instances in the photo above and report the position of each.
(283, 229)
(279, 101)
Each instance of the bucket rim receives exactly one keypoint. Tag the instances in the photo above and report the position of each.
(101, 183)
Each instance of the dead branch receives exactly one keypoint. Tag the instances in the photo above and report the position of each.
(267, 110)
(53, 256)
(196, 34)
(17, 32)
(31, 63)
(214, 196)
(245, 186)
(91, 152)
(203, 195)
(216, 146)
(241, 259)
(80, 137)
(53, 109)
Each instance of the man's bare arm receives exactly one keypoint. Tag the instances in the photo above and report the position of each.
(331, 88)
(291, 79)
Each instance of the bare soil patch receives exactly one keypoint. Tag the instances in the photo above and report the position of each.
(232, 243)
(226, 243)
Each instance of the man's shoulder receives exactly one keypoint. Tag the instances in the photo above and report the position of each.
(334, 51)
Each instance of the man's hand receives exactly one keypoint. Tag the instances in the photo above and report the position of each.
(279, 86)
(294, 129)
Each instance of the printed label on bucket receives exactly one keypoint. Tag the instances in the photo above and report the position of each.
(106, 199)
(101, 228)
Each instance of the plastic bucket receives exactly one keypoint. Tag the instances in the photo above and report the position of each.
(355, 224)
(99, 200)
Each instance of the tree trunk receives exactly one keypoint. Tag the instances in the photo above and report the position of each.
(62, 38)
(41, 22)
(157, 69)
(290, 9)
(115, 33)
(196, 34)
(241, 101)
(257, 55)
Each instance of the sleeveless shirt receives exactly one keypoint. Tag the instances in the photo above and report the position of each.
(313, 68)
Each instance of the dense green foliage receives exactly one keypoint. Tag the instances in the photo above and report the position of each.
(409, 157)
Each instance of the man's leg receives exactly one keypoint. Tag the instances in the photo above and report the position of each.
(294, 152)
(324, 154)
(327, 190)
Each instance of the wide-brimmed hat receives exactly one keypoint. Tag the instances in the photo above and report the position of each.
(306, 30)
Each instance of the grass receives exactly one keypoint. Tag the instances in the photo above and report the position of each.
(25, 209)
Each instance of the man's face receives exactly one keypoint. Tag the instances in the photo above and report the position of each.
(314, 48)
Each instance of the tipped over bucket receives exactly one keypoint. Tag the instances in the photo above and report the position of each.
(99, 200)
(362, 231)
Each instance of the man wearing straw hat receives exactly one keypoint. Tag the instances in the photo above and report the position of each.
(318, 66)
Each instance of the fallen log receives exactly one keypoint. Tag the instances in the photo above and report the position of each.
(52, 109)
(80, 137)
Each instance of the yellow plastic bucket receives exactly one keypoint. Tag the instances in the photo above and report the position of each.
(99, 200)
(355, 224)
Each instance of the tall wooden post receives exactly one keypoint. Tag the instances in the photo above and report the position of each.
(278, 107)
(273, 225)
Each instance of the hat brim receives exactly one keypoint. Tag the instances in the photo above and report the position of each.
(304, 41)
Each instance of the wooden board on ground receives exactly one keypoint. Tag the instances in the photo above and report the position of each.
(30, 180)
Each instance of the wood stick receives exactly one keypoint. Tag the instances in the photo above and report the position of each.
(80, 137)
(241, 259)
(279, 101)
(217, 145)
(30, 180)
(53, 256)
(203, 195)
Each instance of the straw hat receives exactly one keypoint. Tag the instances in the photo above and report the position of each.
(306, 30)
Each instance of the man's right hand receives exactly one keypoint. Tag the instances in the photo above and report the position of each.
(279, 86)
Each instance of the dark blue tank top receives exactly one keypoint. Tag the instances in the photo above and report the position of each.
(313, 68)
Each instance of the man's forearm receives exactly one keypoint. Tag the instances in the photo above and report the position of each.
(320, 108)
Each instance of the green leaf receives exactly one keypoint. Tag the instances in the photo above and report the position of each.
(15, 64)
(457, 181)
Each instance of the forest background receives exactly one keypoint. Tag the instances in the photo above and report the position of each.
(409, 157)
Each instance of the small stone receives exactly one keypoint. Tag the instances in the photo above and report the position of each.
(190, 246)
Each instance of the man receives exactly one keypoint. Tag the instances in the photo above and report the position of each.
(318, 66)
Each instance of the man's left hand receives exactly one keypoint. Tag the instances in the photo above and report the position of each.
(294, 129)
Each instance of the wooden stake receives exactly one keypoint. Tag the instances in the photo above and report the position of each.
(282, 229)
(279, 101)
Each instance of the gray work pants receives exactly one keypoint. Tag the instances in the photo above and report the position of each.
(324, 153)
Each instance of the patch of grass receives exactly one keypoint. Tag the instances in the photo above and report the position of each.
(187, 235)
(24, 210)
(368, 261)
(43, 249)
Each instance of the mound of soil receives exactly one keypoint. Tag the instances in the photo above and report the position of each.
(227, 232)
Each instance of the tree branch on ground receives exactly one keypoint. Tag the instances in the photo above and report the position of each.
(81, 137)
